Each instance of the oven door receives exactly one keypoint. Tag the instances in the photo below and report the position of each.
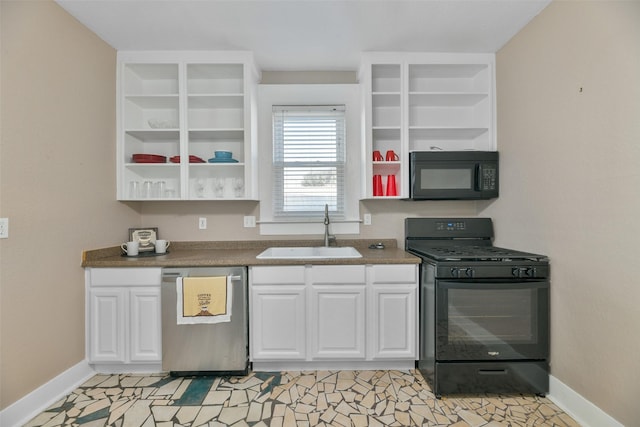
(492, 320)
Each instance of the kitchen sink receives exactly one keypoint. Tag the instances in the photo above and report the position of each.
(309, 252)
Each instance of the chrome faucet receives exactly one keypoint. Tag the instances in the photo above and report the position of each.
(327, 237)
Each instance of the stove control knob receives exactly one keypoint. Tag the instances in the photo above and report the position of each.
(469, 272)
(523, 272)
(455, 272)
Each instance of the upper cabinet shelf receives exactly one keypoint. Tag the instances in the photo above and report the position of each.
(184, 106)
(422, 102)
(150, 79)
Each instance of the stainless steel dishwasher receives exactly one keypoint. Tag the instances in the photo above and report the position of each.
(205, 349)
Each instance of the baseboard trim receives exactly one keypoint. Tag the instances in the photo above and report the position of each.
(579, 408)
(401, 365)
(41, 398)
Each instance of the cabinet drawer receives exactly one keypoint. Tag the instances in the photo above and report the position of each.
(276, 275)
(394, 273)
(125, 276)
(337, 274)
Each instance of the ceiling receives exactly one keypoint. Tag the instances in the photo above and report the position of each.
(306, 35)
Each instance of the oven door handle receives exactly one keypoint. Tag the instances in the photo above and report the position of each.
(473, 284)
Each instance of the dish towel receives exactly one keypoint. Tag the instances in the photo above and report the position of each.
(203, 300)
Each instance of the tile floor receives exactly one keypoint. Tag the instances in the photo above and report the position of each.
(298, 399)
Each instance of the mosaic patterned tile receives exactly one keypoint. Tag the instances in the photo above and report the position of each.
(290, 399)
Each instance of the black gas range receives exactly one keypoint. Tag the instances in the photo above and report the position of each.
(484, 310)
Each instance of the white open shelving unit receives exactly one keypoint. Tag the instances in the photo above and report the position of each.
(424, 102)
(187, 104)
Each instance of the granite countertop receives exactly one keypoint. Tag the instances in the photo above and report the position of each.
(234, 253)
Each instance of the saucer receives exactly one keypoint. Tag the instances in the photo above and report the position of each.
(216, 160)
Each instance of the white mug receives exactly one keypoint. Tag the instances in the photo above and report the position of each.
(131, 248)
(161, 246)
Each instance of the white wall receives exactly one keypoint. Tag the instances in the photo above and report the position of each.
(568, 97)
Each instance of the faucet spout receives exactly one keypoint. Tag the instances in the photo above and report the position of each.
(327, 236)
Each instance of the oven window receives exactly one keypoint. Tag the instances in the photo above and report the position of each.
(445, 179)
(492, 316)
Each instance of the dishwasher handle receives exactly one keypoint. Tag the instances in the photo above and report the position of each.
(170, 277)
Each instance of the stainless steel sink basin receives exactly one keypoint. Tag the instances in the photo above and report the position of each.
(310, 252)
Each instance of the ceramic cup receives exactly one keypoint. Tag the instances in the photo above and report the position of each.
(392, 156)
(391, 186)
(161, 246)
(377, 185)
(130, 248)
(377, 156)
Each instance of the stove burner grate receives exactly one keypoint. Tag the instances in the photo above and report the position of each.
(482, 253)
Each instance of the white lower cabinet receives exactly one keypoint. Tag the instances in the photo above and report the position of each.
(106, 325)
(278, 322)
(393, 324)
(277, 313)
(317, 315)
(337, 322)
(146, 332)
(123, 318)
(393, 311)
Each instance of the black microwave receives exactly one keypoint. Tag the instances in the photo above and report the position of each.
(453, 175)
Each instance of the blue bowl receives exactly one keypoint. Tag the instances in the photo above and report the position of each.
(223, 154)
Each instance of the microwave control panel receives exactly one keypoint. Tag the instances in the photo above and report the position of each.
(489, 177)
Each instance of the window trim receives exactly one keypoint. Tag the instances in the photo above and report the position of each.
(306, 94)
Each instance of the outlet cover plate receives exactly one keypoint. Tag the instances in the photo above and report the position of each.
(249, 221)
(4, 228)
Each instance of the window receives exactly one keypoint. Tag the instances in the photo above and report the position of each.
(280, 219)
(308, 161)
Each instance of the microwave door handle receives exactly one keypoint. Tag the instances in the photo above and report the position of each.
(477, 184)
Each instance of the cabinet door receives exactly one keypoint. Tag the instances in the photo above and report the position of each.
(337, 321)
(107, 325)
(278, 322)
(145, 323)
(393, 321)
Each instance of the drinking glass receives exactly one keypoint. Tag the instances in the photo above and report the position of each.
(218, 187)
(134, 189)
(146, 190)
(200, 186)
(238, 187)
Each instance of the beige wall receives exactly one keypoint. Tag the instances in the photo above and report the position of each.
(179, 220)
(569, 135)
(57, 179)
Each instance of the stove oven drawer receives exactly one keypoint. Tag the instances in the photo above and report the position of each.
(492, 377)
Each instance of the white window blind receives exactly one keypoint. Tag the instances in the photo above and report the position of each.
(308, 161)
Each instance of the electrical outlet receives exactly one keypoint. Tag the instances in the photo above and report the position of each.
(4, 228)
(249, 221)
(202, 223)
(367, 219)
